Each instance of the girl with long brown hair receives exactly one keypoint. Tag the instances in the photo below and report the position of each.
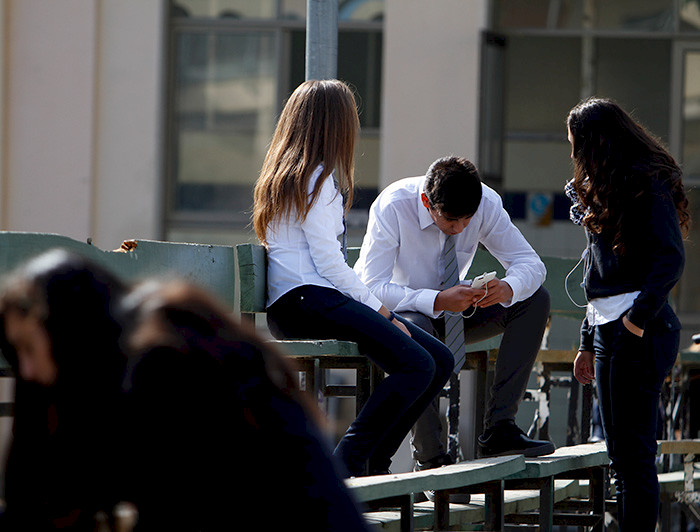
(304, 188)
(629, 197)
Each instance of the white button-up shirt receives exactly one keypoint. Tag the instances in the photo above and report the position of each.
(308, 252)
(401, 253)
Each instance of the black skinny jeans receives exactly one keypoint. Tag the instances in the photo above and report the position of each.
(417, 368)
(629, 373)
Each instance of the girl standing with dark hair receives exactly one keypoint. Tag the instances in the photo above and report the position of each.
(60, 330)
(313, 293)
(629, 197)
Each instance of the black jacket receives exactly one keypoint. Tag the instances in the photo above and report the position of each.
(652, 263)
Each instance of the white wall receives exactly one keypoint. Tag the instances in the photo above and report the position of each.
(49, 105)
(130, 109)
(431, 83)
(429, 110)
(80, 118)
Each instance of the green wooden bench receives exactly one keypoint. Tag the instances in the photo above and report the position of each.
(475, 476)
(314, 357)
(586, 461)
(472, 516)
(210, 267)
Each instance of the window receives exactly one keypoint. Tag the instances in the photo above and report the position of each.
(233, 63)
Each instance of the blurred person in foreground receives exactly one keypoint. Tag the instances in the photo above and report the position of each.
(60, 330)
(153, 395)
(223, 438)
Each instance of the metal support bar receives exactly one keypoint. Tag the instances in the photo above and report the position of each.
(321, 39)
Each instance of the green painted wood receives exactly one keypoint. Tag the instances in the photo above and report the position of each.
(211, 267)
(461, 515)
(317, 347)
(208, 266)
(675, 481)
(18, 247)
(449, 477)
(252, 273)
(563, 460)
(688, 357)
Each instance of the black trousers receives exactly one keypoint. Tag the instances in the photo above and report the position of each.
(629, 373)
(417, 368)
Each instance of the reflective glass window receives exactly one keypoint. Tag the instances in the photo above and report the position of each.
(239, 9)
(634, 15)
(224, 112)
(690, 15)
(538, 96)
(621, 74)
(552, 14)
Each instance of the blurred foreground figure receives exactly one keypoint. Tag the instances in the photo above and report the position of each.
(221, 439)
(156, 397)
(59, 329)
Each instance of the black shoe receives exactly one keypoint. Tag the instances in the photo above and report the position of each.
(439, 461)
(506, 438)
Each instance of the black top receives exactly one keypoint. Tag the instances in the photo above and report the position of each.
(652, 262)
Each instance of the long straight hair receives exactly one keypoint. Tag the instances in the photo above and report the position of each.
(615, 161)
(318, 126)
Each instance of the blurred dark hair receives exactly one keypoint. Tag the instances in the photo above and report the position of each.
(453, 187)
(183, 318)
(615, 162)
(77, 302)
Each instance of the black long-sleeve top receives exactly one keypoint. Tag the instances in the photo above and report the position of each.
(652, 262)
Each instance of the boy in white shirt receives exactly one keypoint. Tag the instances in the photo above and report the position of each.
(403, 262)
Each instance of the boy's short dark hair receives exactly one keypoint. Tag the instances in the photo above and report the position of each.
(453, 186)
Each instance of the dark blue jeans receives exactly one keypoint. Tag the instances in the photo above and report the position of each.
(629, 373)
(417, 368)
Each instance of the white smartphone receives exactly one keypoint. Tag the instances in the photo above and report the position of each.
(483, 279)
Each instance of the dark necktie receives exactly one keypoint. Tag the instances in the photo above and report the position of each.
(454, 324)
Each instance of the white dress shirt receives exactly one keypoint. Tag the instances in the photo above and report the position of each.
(606, 309)
(401, 253)
(308, 252)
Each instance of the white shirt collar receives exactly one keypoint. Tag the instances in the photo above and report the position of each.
(424, 217)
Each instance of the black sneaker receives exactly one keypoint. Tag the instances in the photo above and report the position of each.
(506, 438)
(439, 461)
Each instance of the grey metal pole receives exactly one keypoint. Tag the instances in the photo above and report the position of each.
(321, 39)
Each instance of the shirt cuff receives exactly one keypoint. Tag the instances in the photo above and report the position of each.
(517, 288)
(373, 303)
(425, 303)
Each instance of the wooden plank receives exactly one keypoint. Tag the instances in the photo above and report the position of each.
(317, 348)
(688, 357)
(563, 460)
(515, 501)
(18, 247)
(557, 356)
(211, 267)
(674, 481)
(678, 447)
(448, 477)
(252, 272)
(207, 266)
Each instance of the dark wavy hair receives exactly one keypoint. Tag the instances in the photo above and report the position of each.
(615, 162)
(77, 302)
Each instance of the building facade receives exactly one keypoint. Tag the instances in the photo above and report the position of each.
(150, 118)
